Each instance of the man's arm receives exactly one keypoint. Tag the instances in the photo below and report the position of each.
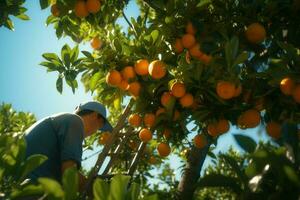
(82, 179)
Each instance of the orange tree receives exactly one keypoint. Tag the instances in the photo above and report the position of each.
(208, 63)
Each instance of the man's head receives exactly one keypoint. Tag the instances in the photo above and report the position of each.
(94, 117)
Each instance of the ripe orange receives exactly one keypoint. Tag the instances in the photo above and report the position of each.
(163, 149)
(167, 133)
(178, 48)
(54, 10)
(223, 126)
(188, 40)
(96, 43)
(296, 94)
(134, 88)
(141, 67)
(178, 89)
(93, 6)
(255, 33)
(145, 135)
(206, 59)
(160, 110)
(176, 115)
(123, 85)
(157, 69)
(238, 91)
(104, 138)
(251, 118)
(128, 72)
(212, 129)
(166, 99)
(225, 89)
(200, 141)
(149, 120)
(287, 86)
(195, 51)
(80, 9)
(187, 100)
(113, 78)
(135, 120)
(190, 29)
(241, 122)
(273, 129)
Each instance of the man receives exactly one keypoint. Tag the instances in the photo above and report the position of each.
(60, 138)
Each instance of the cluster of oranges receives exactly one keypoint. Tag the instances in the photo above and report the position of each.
(126, 79)
(145, 134)
(188, 41)
(82, 8)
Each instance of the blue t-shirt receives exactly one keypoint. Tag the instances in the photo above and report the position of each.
(59, 137)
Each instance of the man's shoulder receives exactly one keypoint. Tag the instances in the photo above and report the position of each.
(66, 118)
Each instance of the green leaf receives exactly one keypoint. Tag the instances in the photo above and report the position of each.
(87, 54)
(291, 174)
(218, 180)
(151, 197)
(51, 19)
(70, 183)
(241, 58)
(29, 190)
(245, 142)
(117, 45)
(203, 3)
(154, 35)
(117, 102)
(74, 54)
(44, 4)
(52, 187)
(51, 56)
(119, 185)
(31, 163)
(59, 84)
(9, 24)
(133, 192)
(100, 189)
(23, 17)
(50, 66)
(65, 55)
(235, 167)
(94, 81)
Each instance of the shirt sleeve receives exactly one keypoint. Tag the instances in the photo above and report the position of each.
(71, 143)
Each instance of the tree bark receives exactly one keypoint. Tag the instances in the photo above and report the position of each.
(191, 174)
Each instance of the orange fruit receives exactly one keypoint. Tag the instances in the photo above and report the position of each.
(160, 110)
(80, 9)
(134, 88)
(135, 120)
(123, 85)
(93, 6)
(178, 48)
(145, 135)
(200, 141)
(206, 59)
(176, 115)
(54, 10)
(149, 120)
(141, 67)
(152, 160)
(96, 43)
(157, 69)
(195, 51)
(188, 40)
(113, 78)
(212, 129)
(178, 89)
(296, 93)
(167, 133)
(255, 33)
(163, 149)
(225, 89)
(273, 129)
(287, 86)
(187, 100)
(128, 72)
(223, 126)
(133, 145)
(238, 91)
(104, 138)
(251, 118)
(190, 29)
(166, 99)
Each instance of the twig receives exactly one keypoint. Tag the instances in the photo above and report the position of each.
(130, 24)
(153, 6)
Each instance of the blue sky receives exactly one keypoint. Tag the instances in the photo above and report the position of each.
(28, 87)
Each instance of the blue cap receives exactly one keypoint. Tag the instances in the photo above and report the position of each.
(98, 108)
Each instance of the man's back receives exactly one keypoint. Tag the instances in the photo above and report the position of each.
(59, 137)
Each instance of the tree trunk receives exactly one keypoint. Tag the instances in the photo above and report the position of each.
(191, 174)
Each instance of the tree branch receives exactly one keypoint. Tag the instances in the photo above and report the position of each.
(130, 24)
(153, 6)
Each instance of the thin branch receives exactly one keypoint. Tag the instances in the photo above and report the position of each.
(130, 24)
(153, 6)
